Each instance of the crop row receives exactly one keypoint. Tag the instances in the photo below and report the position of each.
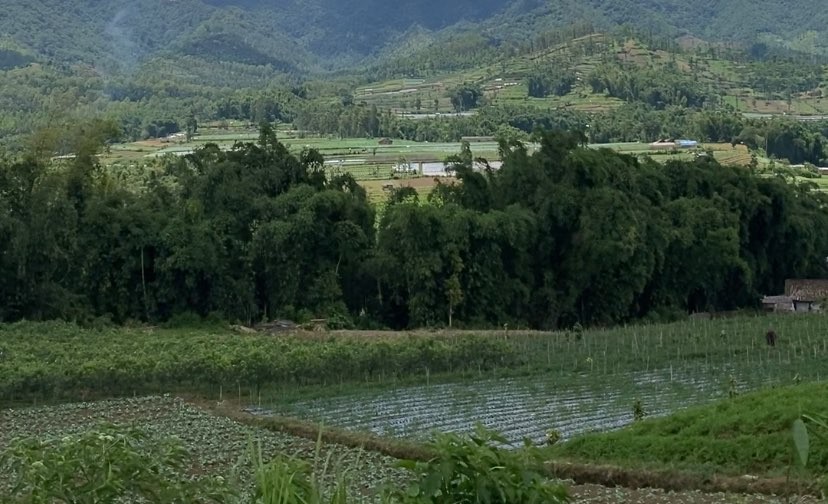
(520, 407)
(217, 445)
(62, 360)
(530, 406)
(58, 360)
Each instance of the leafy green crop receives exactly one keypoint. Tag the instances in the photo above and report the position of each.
(105, 465)
(473, 469)
(173, 439)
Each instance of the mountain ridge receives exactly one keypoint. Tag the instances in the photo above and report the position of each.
(307, 36)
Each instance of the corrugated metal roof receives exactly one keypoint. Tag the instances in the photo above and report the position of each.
(807, 290)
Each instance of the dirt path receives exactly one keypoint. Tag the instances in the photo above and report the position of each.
(594, 494)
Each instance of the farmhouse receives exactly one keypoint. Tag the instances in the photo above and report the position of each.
(777, 304)
(674, 144)
(800, 296)
(807, 295)
(663, 145)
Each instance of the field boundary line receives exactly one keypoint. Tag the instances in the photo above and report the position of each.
(674, 480)
(579, 474)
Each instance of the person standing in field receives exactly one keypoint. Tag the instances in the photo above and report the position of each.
(770, 338)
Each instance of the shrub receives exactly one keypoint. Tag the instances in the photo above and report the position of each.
(803, 428)
(553, 437)
(473, 469)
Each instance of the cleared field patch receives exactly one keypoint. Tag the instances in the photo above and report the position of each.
(402, 95)
(724, 153)
(581, 99)
(729, 155)
(378, 189)
(821, 182)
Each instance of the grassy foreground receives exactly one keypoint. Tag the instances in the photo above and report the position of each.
(750, 434)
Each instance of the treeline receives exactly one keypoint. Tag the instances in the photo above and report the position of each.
(657, 88)
(542, 83)
(781, 138)
(563, 235)
(570, 235)
(49, 95)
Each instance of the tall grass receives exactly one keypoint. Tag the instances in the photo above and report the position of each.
(290, 480)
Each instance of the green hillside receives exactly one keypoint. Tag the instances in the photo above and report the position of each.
(122, 33)
(363, 68)
(799, 25)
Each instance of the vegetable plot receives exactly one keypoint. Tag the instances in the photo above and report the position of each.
(218, 446)
(528, 407)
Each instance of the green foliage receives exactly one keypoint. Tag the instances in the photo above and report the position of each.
(216, 447)
(105, 465)
(802, 441)
(553, 437)
(749, 434)
(114, 464)
(570, 234)
(12, 59)
(542, 84)
(247, 229)
(158, 62)
(41, 360)
(638, 411)
(772, 78)
(426, 54)
(290, 480)
(472, 469)
(657, 88)
(563, 235)
(465, 97)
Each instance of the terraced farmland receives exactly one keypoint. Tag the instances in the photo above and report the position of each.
(519, 408)
(527, 407)
(588, 383)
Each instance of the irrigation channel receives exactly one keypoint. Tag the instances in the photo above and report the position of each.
(529, 406)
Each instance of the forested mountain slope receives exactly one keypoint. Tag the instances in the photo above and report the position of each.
(119, 34)
(739, 20)
(301, 35)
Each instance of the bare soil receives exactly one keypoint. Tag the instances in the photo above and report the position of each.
(595, 494)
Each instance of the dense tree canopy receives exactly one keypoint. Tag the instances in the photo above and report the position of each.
(563, 235)
(576, 235)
